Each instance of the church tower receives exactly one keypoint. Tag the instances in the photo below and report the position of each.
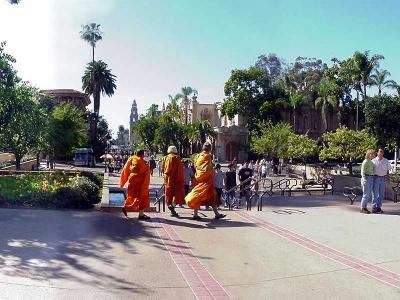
(132, 121)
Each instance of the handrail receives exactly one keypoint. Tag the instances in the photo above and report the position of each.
(162, 196)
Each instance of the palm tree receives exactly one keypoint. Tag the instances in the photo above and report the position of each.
(91, 34)
(380, 80)
(14, 1)
(186, 92)
(173, 106)
(364, 65)
(203, 131)
(326, 90)
(296, 100)
(98, 80)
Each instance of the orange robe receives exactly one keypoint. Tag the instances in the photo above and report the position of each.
(174, 179)
(203, 192)
(137, 173)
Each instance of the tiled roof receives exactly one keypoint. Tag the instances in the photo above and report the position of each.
(63, 91)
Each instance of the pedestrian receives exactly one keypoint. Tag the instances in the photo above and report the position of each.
(367, 180)
(189, 175)
(244, 174)
(382, 169)
(137, 173)
(219, 179)
(203, 192)
(152, 164)
(174, 179)
(230, 183)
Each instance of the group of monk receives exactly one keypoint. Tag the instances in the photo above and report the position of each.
(137, 173)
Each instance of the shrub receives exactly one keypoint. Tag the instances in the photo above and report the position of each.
(96, 179)
(67, 197)
(37, 199)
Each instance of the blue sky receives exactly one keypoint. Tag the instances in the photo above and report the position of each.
(155, 47)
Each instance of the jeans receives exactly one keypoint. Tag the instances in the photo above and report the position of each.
(379, 191)
(229, 198)
(367, 191)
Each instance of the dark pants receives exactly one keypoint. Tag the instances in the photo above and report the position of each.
(187, 189)
(219, 194)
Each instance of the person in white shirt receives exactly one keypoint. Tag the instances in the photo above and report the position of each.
(381, 172)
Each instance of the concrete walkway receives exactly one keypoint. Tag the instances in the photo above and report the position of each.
(297, 248)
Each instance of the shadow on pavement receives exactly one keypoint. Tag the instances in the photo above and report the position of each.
(74, 246)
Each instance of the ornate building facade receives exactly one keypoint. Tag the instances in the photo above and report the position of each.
(232, 136)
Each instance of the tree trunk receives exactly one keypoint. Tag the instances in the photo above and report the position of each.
(93, 54)
(294, 120)
(37, 161)
(357, 112)
(17, 162)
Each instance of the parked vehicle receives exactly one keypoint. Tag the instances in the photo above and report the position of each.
(84, 157)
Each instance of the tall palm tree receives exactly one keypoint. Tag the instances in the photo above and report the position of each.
(96, 81)
(364, 65)
(296, 100)
(379, 78)
(173, 106)
(91, 33)
(14, 1)
(185, 94)
(326, 90)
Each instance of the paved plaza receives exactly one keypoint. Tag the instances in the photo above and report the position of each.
(300, 247)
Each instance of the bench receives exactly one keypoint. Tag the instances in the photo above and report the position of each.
(352, 193)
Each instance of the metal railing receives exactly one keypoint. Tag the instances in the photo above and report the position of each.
(160, 198)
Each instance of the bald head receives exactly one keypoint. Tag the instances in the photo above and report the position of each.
(207, 146)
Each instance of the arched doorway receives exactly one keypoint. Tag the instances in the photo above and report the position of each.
(231, 151)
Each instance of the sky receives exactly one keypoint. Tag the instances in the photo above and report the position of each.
(155, 47)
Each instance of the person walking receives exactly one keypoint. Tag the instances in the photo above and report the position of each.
(152, 164)
(367, 180)
(230, 182)
(189, 175)
(381, 176)
(203, 192)
(174, 179)
(219, 183)
(244, 174)
(137, 173)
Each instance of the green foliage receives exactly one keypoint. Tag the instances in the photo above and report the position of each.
(382, 119)
(345, 144)
(273, 140)
(50, 190)
(8, 79)
(27, 123)
(301, 146)
(146, 128)
(67, 130)
(327, 91)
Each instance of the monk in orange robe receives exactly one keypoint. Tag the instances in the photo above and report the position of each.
(137, 173)
(174, 180)
(203, 193)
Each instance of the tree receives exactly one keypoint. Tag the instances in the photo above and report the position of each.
(91, 33)
(300, 146)
(8, 80)
(272, 65)
(382, 119)
(327, 91)
(379, 79)
(364, 65)
(98, 80)
(203, 130)
(146, 128)
(296, 100)
(347, 145)
(249, 93)
(173, 106)
(67, 130)
(26, 128)
(103, 136)
(185, 94)
(273, 140)
(14, 1)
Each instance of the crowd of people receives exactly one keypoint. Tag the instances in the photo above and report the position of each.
(193, 183)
